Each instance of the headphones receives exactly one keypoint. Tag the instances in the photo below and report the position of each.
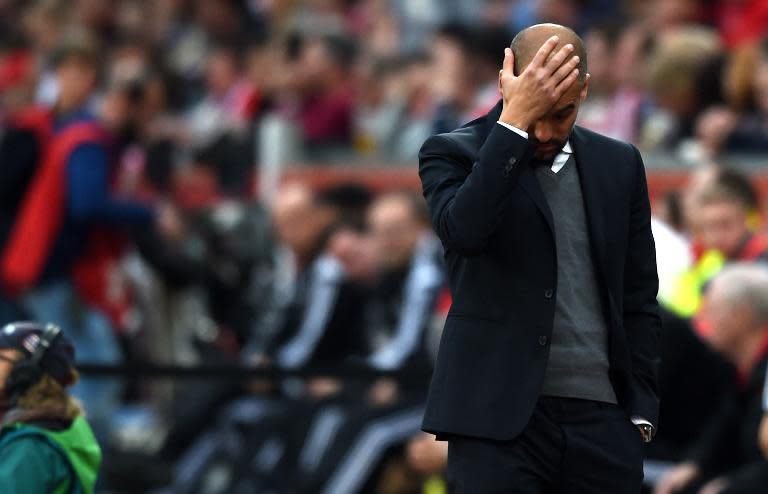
(27, 371)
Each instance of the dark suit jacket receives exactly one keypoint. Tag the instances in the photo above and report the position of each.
(493, 219)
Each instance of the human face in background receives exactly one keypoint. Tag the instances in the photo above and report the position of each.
(722, 226)
(395, 231)
(76, 80)
(730, 323)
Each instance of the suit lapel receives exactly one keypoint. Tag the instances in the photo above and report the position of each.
(591, 174)
(594, 189)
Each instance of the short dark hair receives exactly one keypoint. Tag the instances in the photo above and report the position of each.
(732, 186)
(76, 47)
(350, 200)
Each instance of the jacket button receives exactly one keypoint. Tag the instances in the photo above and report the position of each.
(548, 293)
(543, 340)
(509, 166)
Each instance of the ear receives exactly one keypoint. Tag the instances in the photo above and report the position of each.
(584, 89)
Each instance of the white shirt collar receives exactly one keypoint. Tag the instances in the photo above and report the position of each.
(562, 157)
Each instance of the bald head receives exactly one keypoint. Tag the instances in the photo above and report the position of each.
(298, 220)
(529, 40)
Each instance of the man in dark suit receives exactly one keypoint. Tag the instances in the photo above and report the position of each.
(546, 375)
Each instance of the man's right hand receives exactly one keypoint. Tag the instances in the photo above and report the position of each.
(677, 478)
(530, 95)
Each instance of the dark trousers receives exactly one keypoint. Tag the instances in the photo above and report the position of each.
(569, 446)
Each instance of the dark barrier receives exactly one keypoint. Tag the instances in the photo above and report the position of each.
(208, 371)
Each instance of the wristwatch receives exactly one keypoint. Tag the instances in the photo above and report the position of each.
(646, 432)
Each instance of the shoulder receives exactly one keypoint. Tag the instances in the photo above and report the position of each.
(31, 464)
(617, 158)
(27, 447)
(604, 142)
(462, 142)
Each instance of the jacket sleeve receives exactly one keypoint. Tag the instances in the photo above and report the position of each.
(641, 309)
(89, 197)
(466, 199)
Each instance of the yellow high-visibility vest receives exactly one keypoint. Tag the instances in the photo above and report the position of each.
(685, 299)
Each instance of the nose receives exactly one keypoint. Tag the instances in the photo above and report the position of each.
(543, 131)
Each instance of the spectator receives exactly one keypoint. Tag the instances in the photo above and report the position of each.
(322, 79)
(693, 378)
(58, 255)
(727, 458)
(313, 319)
(452, 85)
(616, 102)
(408, 277)
(720, 213)
(229, 102)
(317, 316)
(725, 213)
(729, 130)
(46, 444)
(682, 79)
(394, 110)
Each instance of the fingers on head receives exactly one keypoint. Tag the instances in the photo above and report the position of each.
(566, 68)
(509, 60)
(567, 82)
(560, 57)
(545, 51)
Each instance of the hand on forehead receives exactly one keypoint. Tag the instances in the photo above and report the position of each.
(530, 40)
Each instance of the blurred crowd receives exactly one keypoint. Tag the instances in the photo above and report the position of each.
(135, 138)
(193, 81)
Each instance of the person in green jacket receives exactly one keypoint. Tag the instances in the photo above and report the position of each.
(46, 444)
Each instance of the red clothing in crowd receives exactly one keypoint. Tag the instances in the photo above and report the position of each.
(741, 21)
(327, 118)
